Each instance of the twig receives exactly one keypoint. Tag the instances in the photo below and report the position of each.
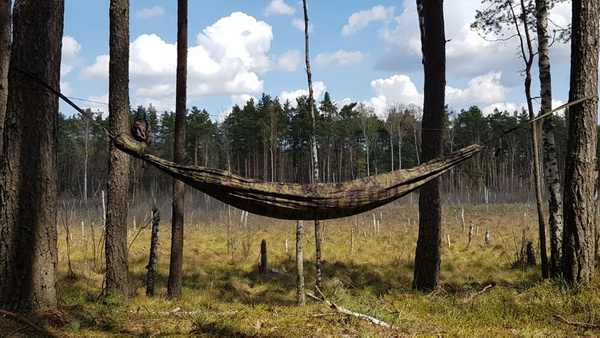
(27, 322)
(348, 312)
(585, 325)
(489, 286)
(138, 233)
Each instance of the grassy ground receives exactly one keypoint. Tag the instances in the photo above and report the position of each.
(481, 295)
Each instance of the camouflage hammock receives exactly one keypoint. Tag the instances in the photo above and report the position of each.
(301, 201)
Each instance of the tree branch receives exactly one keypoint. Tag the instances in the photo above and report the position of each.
(345, 311)
(27, 322)
(581, 324)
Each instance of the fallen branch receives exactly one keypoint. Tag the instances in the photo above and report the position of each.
(581, 324)
(490, 286)
(345, 311)
(27, 322)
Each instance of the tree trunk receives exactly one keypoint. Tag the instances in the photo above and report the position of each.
(315, 157)
(174, 289)
(528, 55)
(548, 144)
(579, 199)
(5, 40)
(28, 249)
(429, 242)
(117, 266)
(151, 277)
(301, 298)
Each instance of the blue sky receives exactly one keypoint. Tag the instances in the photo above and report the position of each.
(365, 51)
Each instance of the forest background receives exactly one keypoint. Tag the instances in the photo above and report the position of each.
(270, 140)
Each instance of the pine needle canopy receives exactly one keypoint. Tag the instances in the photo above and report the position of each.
(302, 201)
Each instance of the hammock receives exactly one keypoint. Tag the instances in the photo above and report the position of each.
(302, 201)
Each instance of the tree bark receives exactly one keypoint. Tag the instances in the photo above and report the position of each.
(151, 277)
(528, 55)
(301, 298)
(174, 289)
(28, 190)
(315, 156)
(117, 265)
(579, 201)
(429, 243)
(5, 41)
(555, 204)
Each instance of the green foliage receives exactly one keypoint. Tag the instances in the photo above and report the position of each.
(270, 140)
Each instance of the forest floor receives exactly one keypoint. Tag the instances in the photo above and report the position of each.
(367, 270)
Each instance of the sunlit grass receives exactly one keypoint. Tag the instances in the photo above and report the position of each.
(224, 295)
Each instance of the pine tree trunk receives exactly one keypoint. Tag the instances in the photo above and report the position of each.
(174, 289)
(429, 242)
(117, 266)
(5, 41)
(28, 190)
(579, 196)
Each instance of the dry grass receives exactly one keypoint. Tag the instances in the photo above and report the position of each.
(481, 295)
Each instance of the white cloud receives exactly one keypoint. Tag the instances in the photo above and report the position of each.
(319, 90)
(362, 19)
(341, 57)
(97, 71)
(66, 88)
(152, 56)
(394, 89)
(150, 12)
(501, 106)
(70, 55)
(482, 89)
(227, 60)
(299, 24)
(290, 60)
(279, 7)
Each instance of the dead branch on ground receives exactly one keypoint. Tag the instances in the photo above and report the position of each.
(345, 311)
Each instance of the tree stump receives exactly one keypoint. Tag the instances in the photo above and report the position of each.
(262, 267)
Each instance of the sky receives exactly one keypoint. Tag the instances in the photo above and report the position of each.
(360, 51)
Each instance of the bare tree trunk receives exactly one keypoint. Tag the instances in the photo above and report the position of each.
(151, 277)
(174, 289)
(28, 217)
(549, 146)
(117, 265)
(528, 54)
(429, 242)
(579, 199)
(301, 298)
(315, 157)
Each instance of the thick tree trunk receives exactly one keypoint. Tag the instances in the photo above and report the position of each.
(579, 199)
(548, 145)
(5, 41)
(429, 243)
(117, 265)
(28, 251)
(174, 289)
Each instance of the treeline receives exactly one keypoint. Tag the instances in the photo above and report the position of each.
(270, 140)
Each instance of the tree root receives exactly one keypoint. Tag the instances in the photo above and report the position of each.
(27, 322)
